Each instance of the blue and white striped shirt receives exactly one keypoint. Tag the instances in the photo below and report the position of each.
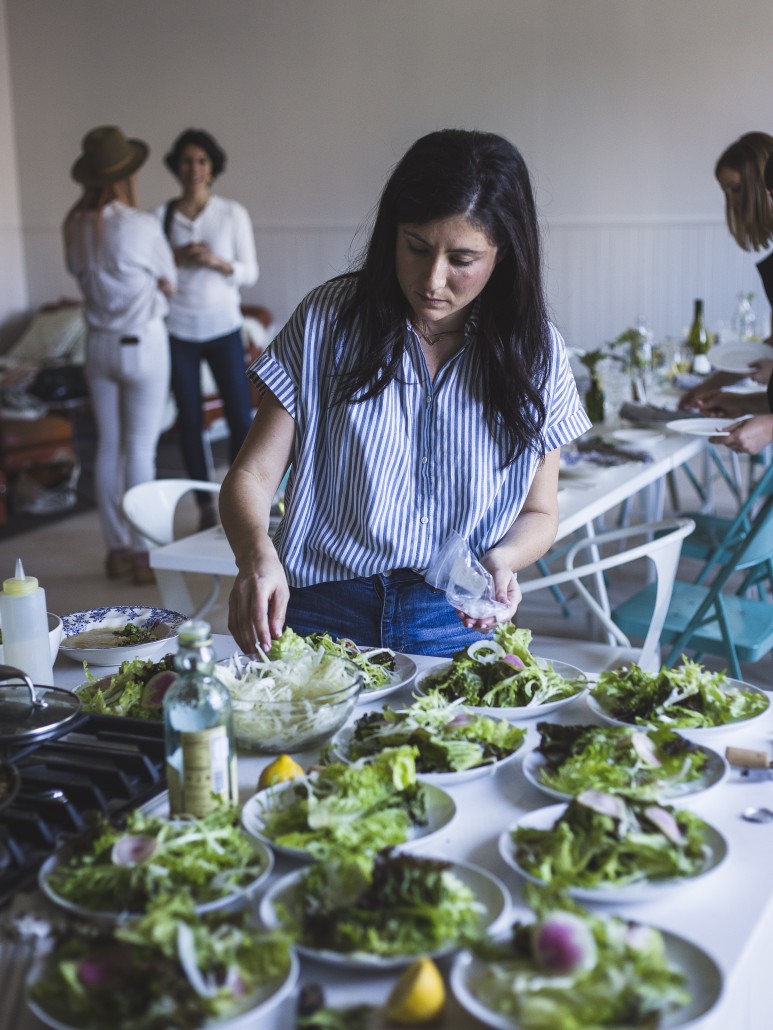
(379, 485)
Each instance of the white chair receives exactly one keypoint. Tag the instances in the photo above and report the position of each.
(661, 544)
(150, 508)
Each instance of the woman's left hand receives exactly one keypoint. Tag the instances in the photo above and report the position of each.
(506, 591)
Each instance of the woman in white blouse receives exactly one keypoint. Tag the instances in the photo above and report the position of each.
(125, 269)
(214, 248)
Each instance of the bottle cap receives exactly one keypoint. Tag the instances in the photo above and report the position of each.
(20, 585)
(194, 633)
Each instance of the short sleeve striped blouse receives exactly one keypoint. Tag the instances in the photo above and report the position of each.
(379, 485)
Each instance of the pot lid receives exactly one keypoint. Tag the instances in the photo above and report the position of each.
(28, 713)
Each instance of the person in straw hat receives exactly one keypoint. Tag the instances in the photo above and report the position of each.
(125, 269)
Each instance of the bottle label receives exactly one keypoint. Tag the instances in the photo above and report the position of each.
(206, 773)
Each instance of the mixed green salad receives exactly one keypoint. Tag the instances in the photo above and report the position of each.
(170, 969)
(136, 690)
(605, 840)
(377, 664)
(360, 808)
(447, 737)
(107, 868)
(395, 905)
(501, 673)
(573, 970)
(642, 765)
(687, 697)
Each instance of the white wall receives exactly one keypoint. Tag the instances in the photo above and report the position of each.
(619, 106)
(13, 278)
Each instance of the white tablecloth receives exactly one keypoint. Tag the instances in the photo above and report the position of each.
(729, 912)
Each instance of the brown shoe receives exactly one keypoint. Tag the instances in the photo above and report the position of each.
(142, 574)
(118, 563)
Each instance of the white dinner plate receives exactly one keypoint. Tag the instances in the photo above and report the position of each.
(688, 731)
(739, 357)
(440, 810)
(515, 714)
(115, 617)
(342, 740)
(703, 976)
(490, 893)
(704, 426)
(642, 890)
(402, 675)
(268, 997)
(231, 901)
(714, 772)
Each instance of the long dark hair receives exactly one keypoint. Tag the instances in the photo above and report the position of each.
(751, 226)
(482, 176)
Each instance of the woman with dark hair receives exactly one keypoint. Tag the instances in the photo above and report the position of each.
(425, 394)
(125, 270)
(214, 248)
(742, 173)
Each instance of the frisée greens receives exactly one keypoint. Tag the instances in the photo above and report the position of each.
(501, 673)
(573, 970)
(604, 840)
(394, 905)
(170, 969)
(447, 737)
(108, 869)
(686, 697)
(359, 808)
(136, 690)
(645, 766)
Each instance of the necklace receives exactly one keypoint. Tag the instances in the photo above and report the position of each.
(433, 338)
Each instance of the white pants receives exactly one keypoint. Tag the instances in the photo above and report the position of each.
(129, 384)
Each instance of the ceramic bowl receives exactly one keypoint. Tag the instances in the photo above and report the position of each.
(115, 618)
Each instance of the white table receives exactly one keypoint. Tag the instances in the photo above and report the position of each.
(581, 500)
(729, 913)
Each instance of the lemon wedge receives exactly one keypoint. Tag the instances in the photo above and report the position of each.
(282, 768)
(418, 996)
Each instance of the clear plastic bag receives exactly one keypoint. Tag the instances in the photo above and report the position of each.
(467, 585)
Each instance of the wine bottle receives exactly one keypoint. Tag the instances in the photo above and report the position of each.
(198, 722)
(698, 341)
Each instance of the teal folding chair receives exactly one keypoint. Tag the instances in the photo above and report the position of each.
(709, 617)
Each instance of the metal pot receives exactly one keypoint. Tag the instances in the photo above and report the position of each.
(29, 714)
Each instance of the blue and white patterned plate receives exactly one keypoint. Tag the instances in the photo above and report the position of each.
(115, 618)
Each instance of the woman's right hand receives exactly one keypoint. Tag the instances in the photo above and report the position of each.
(258, 603)
(690, 399)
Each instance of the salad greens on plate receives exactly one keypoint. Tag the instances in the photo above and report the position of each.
(393, 906)
(170, 969)
(447, 737)
(501, 672)
(605, 840)
(619, 759)
(570, 969)
(136, 690)
(112, 871)
(686, 697)
(360, 808)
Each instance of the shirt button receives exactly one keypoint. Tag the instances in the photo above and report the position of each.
(424, 520)
(424, 460)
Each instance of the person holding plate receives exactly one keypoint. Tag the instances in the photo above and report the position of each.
(744, 172)
(424, 394)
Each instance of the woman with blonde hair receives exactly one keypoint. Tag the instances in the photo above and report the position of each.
(125, 269)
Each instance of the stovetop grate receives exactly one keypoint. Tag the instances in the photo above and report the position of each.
(105, 764)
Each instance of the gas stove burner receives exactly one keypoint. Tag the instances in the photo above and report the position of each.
(105, 765)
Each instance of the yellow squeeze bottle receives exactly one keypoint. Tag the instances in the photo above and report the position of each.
(24, 622)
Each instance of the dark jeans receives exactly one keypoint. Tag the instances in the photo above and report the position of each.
(225, 356)
(396, 609)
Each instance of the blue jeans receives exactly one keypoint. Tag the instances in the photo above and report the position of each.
(225, 356)
(393, 609)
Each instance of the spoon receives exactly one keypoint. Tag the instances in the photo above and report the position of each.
(757, 815)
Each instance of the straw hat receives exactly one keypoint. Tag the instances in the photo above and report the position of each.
(108, 156)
